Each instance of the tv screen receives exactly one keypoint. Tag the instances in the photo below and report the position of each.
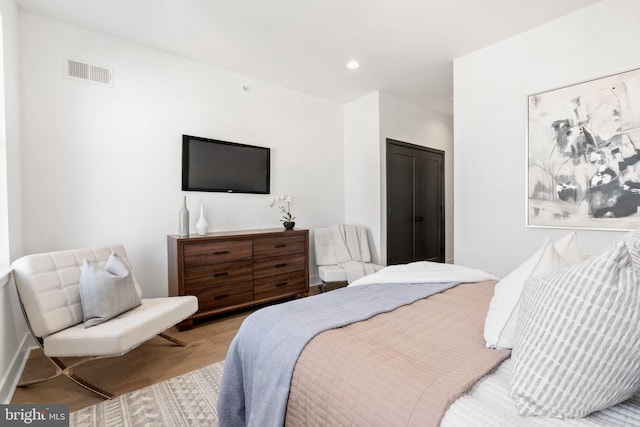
(221, 166)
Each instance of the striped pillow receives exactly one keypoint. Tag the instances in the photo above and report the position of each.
(107, 291)
(578, 349)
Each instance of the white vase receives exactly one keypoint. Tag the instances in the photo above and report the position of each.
(183, 225)
(202, 226)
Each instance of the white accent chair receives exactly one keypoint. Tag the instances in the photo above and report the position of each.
(342, 254)
(47, 286)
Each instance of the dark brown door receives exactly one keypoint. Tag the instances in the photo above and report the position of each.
(415, 203)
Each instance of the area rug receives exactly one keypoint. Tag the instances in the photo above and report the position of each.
(186, 400)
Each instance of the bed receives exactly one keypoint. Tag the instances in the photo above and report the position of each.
(401, 347)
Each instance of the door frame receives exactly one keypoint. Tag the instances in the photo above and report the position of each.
(442, 225)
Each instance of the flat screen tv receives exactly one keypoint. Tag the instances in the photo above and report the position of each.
(221, 166)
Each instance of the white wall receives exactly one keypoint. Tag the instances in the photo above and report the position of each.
(490, 92)
(4, 181)
(362, 165)
(102, 165)
(368, 122)
(14, 338)
(10, 139)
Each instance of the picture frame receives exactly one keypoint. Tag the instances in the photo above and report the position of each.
(583, 154)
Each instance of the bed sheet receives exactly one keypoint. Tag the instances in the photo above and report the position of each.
(488, 404)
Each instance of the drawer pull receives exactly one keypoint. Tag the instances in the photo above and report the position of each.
(281, 265)
(281, 284)
(221, 296)
(221, 252)
(221, 274)
(282, 245)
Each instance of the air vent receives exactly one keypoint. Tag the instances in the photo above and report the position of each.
(89, 73)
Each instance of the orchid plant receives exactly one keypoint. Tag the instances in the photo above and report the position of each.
(284, 204)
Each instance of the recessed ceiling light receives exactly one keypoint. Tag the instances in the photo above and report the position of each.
(353, 65)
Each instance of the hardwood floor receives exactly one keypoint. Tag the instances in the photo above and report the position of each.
(152, 362)
(156, 360)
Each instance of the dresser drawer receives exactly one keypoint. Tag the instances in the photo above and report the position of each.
(224, 295)
(275, 266)
(279, 285)
(281, 245)
(206, 253)
(230, 270)
(204, 276)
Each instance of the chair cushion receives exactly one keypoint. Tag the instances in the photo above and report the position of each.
(122, 333)
(332, 273)
(335, 273)
(107, 291)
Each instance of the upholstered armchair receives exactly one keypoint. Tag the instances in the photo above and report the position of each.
(48, 288)
(342, 255)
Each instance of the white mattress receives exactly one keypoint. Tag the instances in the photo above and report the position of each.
(488, 404)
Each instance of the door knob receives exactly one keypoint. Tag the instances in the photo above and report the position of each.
(419, 218)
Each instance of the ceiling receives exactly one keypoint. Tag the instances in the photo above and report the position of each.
(405, 47)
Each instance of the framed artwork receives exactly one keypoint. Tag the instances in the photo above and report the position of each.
(583, 154)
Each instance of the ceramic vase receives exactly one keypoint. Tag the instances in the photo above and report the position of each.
(183, 224)
(288, 225)
(202, 226)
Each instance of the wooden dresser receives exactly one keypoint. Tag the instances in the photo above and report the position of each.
(236, 269)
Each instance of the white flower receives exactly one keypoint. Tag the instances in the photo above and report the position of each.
(280, 200)
(284, 203)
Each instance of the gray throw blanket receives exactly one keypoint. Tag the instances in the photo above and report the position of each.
(260, 362)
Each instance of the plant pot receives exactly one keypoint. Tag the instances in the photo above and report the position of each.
(288, 225)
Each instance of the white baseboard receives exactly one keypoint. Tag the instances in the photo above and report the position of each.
(12, 376)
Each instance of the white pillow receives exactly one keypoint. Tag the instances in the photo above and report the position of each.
(502, 317)
(107, 291)
(568, 249)
(578, 348)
